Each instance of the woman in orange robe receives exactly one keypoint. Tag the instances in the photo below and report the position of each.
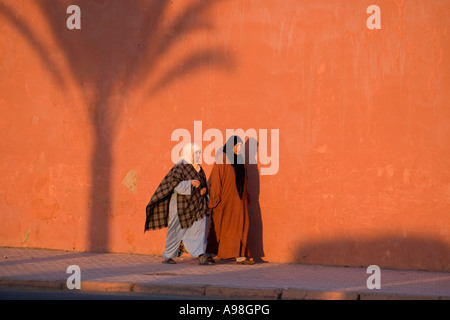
(227, 237)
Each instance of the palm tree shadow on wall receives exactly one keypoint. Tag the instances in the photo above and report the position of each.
(118, 47)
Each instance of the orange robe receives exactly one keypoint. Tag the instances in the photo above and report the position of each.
(227, 237)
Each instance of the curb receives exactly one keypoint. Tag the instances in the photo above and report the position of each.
(196, 291)
(243, 293)
(32, 284)
(209, 291)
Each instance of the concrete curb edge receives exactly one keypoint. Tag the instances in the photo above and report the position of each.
(219, 292)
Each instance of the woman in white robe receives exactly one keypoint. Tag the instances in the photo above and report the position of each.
(194, 237)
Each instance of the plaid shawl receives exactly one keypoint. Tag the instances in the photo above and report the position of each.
(190, 208)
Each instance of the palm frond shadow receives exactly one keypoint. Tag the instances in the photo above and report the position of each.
(120, 44)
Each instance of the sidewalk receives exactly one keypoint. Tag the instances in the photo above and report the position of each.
(47, 269)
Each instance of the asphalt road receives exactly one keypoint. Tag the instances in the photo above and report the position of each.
(174, 306)
(16, 294)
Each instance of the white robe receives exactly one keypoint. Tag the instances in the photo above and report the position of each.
(194, 238)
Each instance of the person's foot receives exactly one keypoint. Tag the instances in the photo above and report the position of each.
(246, 261)
(169, 261)
(204, 261)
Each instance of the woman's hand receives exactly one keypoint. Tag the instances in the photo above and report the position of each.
(203, 191)
(195, 183)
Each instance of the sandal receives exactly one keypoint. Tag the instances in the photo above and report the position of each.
(204, 261)
(169, 261)
(246, 261)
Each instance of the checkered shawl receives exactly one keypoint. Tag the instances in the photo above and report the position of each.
(190, 208)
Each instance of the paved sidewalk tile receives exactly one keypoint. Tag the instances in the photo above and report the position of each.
(146, 273)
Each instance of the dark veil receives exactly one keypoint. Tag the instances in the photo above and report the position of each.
(237, 161)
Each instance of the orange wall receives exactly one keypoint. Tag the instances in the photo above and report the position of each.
(363, 118)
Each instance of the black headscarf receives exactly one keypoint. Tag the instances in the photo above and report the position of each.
(237, 161)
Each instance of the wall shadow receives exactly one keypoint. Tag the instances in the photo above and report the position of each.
(255, 232)
(118, 47)
(392, 252)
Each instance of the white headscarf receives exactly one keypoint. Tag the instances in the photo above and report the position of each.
(188, 154)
